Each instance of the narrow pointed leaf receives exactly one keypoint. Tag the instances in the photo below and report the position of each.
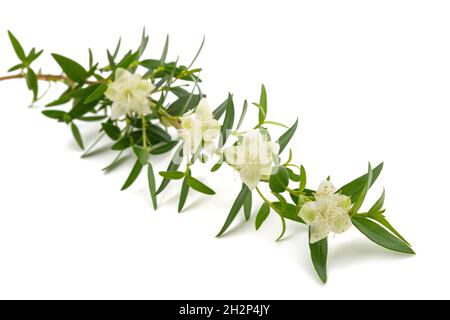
(183, 195)
(244, 111)
(228, 122)
(319, 256)
(152, 185)
(135, 171)
(287, 136)
(199, 186)
(302, 179)
(362, 195)
(32, 82)
(71, 68)
(262, 215)
(164, 147)
(165, 51)
(97, 94)
(354, 188)
(54, 114)
(248, 206)
(263, 105)
(172, 175)
(237, 205)
(173, 166)
(17, 47)
(382, 220)
(141, 154)
(378, 205)
(220, 110)
(380, 236)
(77, 135)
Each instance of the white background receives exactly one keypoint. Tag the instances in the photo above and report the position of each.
(369, 81)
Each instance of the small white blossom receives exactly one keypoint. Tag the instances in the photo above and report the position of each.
(199, 130)
(129, 94)
(328, 213)
(253, 157)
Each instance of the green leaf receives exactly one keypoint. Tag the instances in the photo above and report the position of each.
(91, 58)
(152, 185)
(220, 110)
(362, 195)
(133, 175)
(287, 136)
(16, 67)
(33, 55)
(199, 186)
(97, 94)
(141, 154)
(378, 205)
(143, 45)
(380, 236)
(127, 60)
(319, 255)
(55, 114)
(77, 135)
(17, 47)
(63, 99)
(172, 175)
(173, 166)
(198, 53)
(354, 188)
(217, 165)
(244, 111)
(165, 51)
(122, 144)
(32, 82)
(183, 195)
(71, 68)
(164, 147)
(92, 118)
(279, 180)
(248, 206)
(262, 215)
(184, 104)
(111, 130)
(290, 211)
(179, 91)
(292, 175)
(302, 179)
(263, 105)
(156, 134)
(282, 202)
(382, 220)
(237, 205)
(229, 119)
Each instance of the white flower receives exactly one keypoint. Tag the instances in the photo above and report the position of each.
(328, 213)
(129, 93)
(199, 130)
(253, 157)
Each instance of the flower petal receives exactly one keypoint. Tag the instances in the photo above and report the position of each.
(319, 231)
(308, 212)
(234, 155)
(117, 111)
(341, 222)
(325, 189)
(250, 175)
(122, 76)
(202, 111)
